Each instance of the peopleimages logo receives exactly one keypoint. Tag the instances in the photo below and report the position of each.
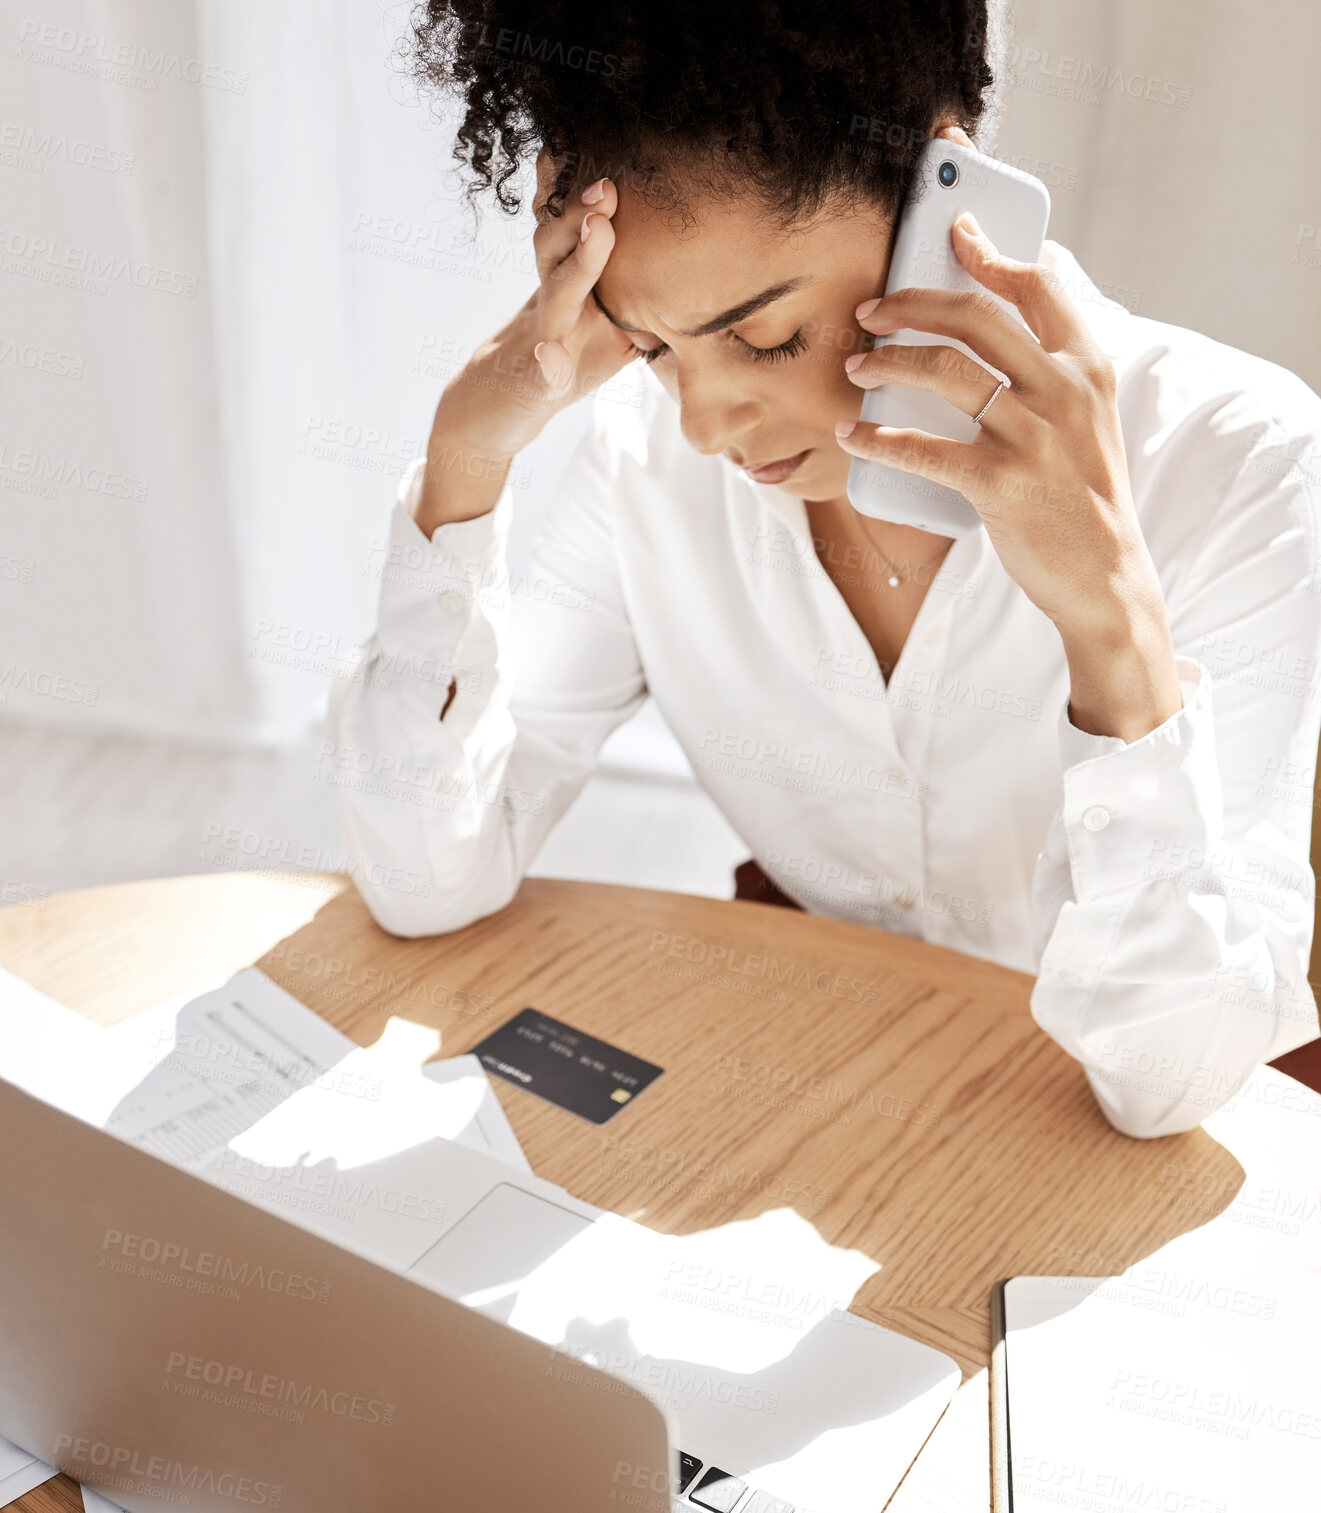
(681, 1380)
(733, 959)
(100, 56)
(46, 685)
(720, 1174)
(827, 1090)
(121, 1463)
(233, 1382)
(776, 1302)
(41, 145)
(347, 1188)
(201, 1270)
(49, 260)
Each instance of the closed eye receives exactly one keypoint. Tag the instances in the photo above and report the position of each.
(785, 350)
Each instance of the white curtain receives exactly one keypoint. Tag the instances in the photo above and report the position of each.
(286, 278)
(235, 274)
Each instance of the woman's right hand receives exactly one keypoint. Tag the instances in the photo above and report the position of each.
(555, 349)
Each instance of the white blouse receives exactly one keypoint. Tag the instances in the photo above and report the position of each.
(1161, 890)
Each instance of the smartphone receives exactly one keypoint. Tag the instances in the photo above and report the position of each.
(1012, 208)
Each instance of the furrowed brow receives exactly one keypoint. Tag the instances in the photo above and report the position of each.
(613, 319)
(730, 317)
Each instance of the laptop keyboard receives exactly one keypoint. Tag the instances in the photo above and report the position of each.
(689, 1466)
(720, 1492)
(763, 1502)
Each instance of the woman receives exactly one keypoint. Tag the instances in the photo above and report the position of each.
(1078, 741)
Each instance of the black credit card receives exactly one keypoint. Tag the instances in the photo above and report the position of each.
(566, 1067)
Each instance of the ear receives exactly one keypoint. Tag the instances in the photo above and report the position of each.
(547, 172)
(952, 133)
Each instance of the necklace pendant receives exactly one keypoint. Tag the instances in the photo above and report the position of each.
(894, 582)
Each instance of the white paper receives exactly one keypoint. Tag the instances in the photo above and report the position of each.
(1191, 1381)
(46, 1049)
(20, 1472)
(210, 1067)
(380, 1099)
(489, 1121)
(93, 1502)
(187, 1077)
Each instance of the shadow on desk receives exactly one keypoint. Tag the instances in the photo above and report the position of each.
(896, 1094)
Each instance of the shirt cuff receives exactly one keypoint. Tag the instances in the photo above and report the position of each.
(462, 564)
(1081, 745)
(1144, 809)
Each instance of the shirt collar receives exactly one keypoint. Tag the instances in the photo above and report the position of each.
(967, 557)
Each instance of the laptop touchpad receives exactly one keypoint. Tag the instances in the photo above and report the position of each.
(496, 1246)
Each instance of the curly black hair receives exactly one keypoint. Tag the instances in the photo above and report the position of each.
(795, 100)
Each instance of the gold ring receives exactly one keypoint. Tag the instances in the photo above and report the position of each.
(976, 419)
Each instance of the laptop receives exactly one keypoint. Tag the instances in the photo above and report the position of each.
(170, 1345)
(314, 1321)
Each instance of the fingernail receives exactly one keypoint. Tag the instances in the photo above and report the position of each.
(866, 308)
(594, 192)
(967, 223)
(844, 427)
(587, 226)
(536, 351)
(852, 362)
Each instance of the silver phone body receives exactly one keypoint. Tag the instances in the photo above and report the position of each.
(1012, 208)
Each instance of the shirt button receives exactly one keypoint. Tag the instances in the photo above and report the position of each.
(1070, 979)
(1096, 818)
(452, 604)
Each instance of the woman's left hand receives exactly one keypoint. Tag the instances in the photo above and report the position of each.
(1046, 472)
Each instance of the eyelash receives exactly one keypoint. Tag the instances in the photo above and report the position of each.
(782, 353)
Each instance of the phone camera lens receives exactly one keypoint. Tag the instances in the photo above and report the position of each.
(948, 174)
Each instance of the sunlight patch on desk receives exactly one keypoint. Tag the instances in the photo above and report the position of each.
(373, 1104)
(708, 1297)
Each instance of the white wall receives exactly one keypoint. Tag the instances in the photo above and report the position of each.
(1182, 146)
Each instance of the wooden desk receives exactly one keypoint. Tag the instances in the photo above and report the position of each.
(897, 1094)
